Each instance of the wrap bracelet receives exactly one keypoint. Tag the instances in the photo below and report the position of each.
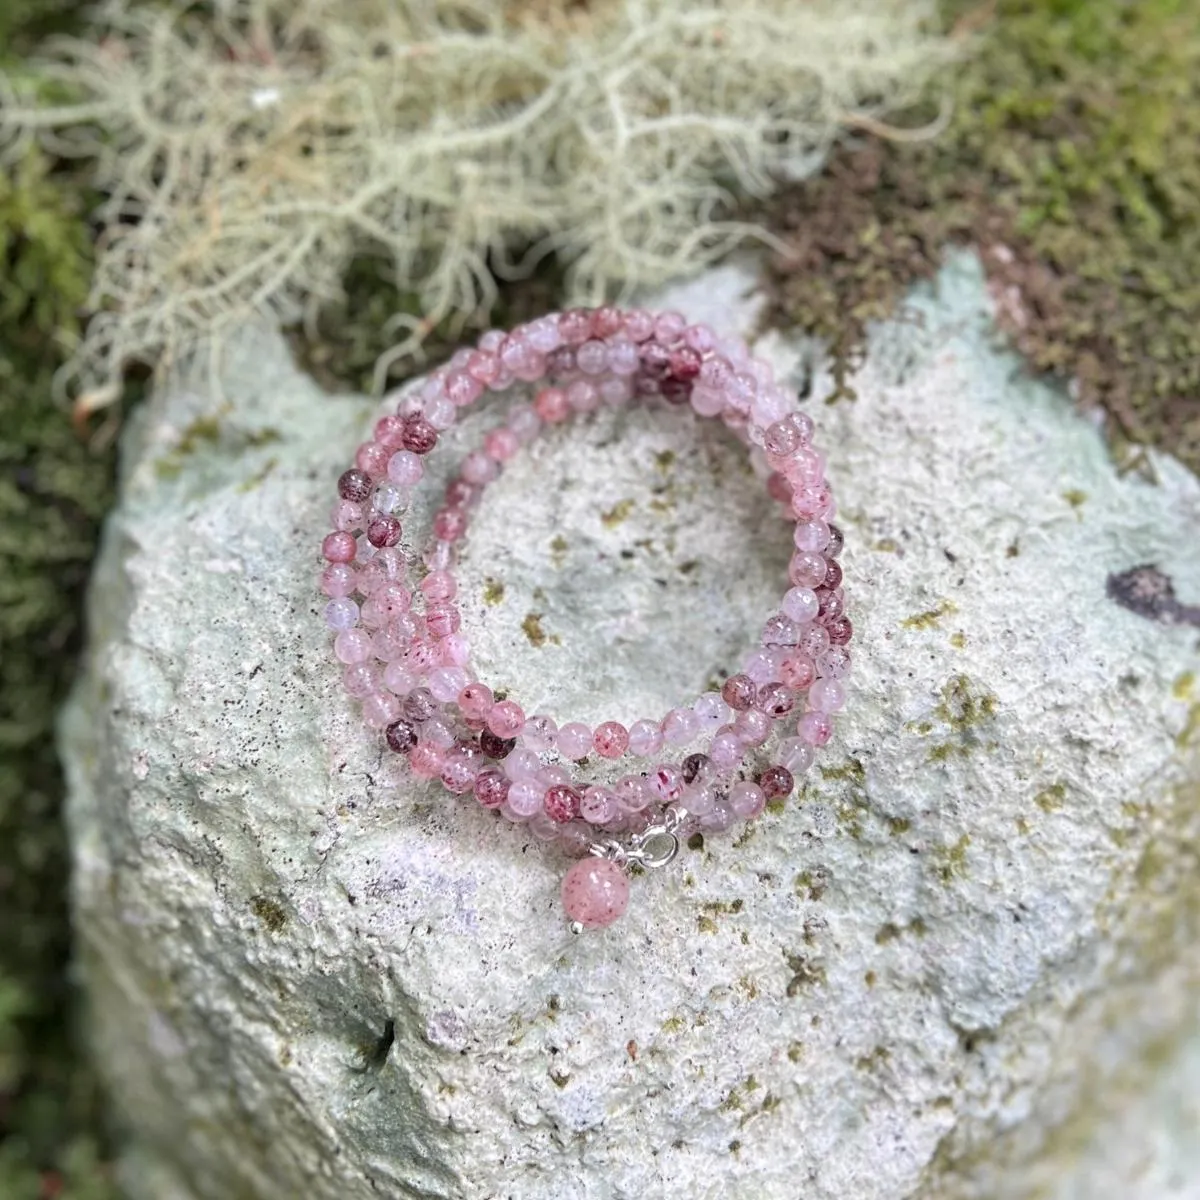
(700, 767)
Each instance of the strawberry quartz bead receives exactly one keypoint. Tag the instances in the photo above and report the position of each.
(339, 547)
(383, 531)
(595, 892)
(419, 435)
(506, 719)
(738, 692)
(610, 740)
(354, 485)
(561, 803)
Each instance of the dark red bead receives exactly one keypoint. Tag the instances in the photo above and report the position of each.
(460, 493)
(561, 803)
(696, 766)
(383, 530)
(491, 789)
(684, 363)
(419, 435)
(354, 485)
(738, 691)
(840, 630)
(496, 747)
(776, 781)
(833, 604)
(775, 700)
(401, 736)
(676, 391)
(833, 573)
(655, 359)
(837, 539)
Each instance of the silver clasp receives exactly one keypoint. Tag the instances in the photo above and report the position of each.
(655, 846)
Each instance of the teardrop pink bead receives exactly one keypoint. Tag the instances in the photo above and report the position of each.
(595, 892)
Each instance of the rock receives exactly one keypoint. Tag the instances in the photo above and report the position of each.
(310, 978)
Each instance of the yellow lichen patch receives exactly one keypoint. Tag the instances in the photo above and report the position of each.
(958, 640)
(1076, 499)
(493, 591)
(1050, 799)
(1181, 689)
(930, 618)
(532, 627)
(950, 862)
(613, 517)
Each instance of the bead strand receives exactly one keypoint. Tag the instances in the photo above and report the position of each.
(405, 658)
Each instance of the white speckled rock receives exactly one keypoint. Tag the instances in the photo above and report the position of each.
(981, 910)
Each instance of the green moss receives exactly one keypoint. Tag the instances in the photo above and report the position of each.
(270, 912)
(1070, 163)
(54, 488)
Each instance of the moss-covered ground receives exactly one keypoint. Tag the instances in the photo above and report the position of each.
(1071, 163)
(1070, 160)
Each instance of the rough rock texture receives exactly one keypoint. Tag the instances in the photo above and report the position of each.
(311, 979)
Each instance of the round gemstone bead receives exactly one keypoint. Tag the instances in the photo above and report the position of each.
(561, 803)
(574, 740)
(506, 719)
(401, 736)
(595, 892)
(645, 738)
(776, 781)
(491, 788)
(610, 740)
(747, 800)
(738, 692)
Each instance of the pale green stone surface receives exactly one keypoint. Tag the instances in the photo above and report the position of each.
(899, 986)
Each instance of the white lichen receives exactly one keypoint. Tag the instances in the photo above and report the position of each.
(247, 157)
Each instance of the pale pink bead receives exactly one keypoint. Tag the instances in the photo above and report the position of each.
(771, 405)
(780, 440)
(645, 738)
(633, 794)
(669, 327)
(726, 751)
(752, 726)
(449, 524)
(404, 469)
(574, 740)
(360, 679)
(442, 620)
(475, 701)
(341, 613)
(575, 326)
(679, 726)
(706, 401)
(639, 324)
(805, 467)
(552, 774)
(438, 732)
(525, 798)
(439, 412)
(797, 671)
(598, 806)
(479, 469)
(338, 580)
(720, 819)
(458, 773)
(540, 733)
(346, 516)
(700, 338)
(460, 358)
(747, 800)
(795, 754)
(524, 422)
(834, 663)
(522, 764)
(551, 405)
(380, 709)
(462, 388)
(595, 892)
(814, 641)
(826, 695)
(456, 650)
(425, 760)
(482, 365)
(610, 740)
(352, 646)
(439, 586)
(506, 718)
(815, 728)
(760, 666)
(543, 334)
(666, 782)
(339, 547)
(699, 799)
(390, 643)
(439, 556)
(812, 500)
(399, 678)
(592, 357)
(372, 458)
(446, 683)
(582, 396)
(492, 340)
(501, 444)
(615, 391)
(623, 356)
(800, 604)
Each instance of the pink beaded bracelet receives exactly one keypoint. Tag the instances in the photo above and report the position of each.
(406, 659)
